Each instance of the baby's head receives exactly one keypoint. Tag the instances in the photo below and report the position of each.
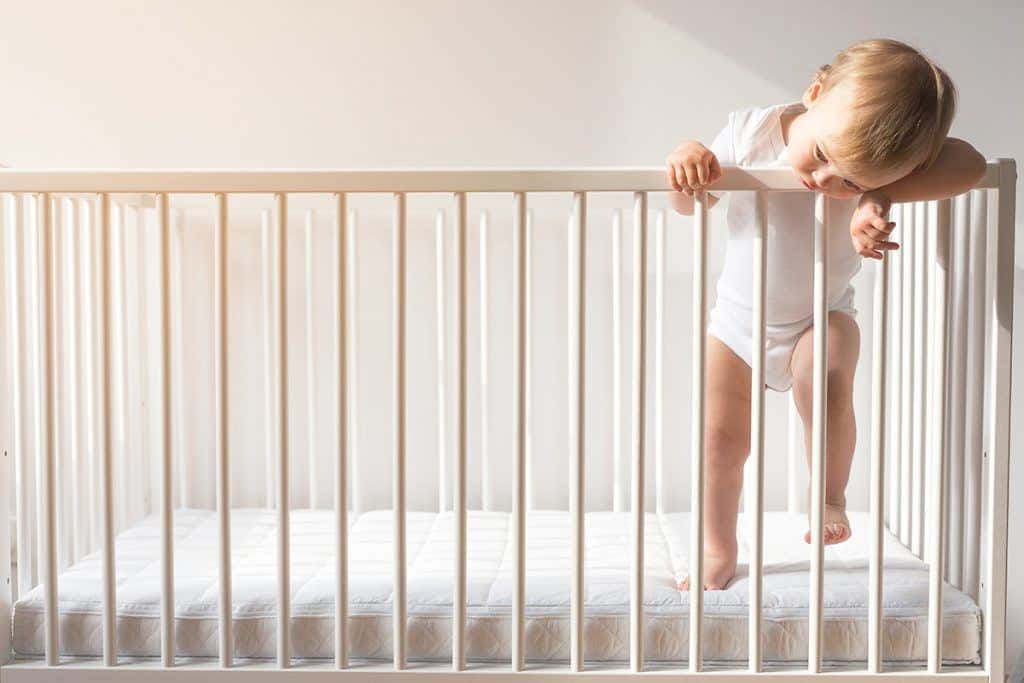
(878, 112)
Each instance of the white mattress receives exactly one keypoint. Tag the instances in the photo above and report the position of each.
(491, 573)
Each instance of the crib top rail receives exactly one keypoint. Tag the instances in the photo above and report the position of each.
(622, 179)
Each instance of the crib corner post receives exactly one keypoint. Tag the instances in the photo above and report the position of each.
(6, 464)
(6, 470)
(998, 446)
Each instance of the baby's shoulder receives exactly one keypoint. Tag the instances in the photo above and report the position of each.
(751, 126)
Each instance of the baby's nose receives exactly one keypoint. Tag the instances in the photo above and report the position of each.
(825, 180)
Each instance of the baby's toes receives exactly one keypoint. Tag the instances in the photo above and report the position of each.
(836, 533)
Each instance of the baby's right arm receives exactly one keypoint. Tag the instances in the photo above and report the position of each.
(690, 167)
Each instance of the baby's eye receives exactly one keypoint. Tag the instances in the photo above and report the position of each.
(818, 154)
(851, 185)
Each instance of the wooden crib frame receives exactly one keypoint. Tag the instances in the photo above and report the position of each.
(985, 556)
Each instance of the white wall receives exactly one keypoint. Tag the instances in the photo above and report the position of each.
(335, 84)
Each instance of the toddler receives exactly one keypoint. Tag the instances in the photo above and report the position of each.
(871, 129)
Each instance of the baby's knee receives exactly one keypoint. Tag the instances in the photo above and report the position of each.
(727, 445)
(839, 383)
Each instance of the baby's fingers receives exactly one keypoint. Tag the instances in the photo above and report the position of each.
(882, 224)
(874, 234)
(715, 169)
(702, 173)
(864, 248)
(691, 176)
(680, 176)
(670, 175)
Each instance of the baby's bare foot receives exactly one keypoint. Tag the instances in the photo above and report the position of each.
(719, 570)
(837, 525)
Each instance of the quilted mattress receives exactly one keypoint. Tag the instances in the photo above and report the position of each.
(491, 577)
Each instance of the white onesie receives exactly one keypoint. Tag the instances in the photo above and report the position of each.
(753, 137)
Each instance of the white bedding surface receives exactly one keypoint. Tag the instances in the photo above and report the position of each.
(491, 575)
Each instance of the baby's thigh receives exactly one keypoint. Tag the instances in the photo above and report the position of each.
(843, 353)
(728, 398)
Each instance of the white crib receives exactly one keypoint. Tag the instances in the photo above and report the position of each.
(939, 448)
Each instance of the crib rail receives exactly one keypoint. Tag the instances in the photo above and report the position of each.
(398, 180)
(917, 372)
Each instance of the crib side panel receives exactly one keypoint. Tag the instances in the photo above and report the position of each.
(6, 447)
(999, 437)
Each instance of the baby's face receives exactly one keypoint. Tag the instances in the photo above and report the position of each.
(810, 142)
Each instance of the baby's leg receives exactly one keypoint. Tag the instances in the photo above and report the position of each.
(727, 443)
(841, 433)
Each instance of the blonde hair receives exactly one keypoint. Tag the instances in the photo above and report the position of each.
(903, 106)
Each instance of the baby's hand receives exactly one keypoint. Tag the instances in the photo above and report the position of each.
(870, 227)
(691, 167)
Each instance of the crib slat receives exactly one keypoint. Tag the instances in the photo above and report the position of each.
(166, 453)
(976, 352)
(638, 441)
(818, 434)
(17, 322)
(483, 289)
(341, 468)
(70, 262)
(879, 359)
(143, 477)
(999, 433)
(907, 406)
(398, 426)
(937, 457)
(659, 364)
(105, 301)
(700, 260)
(281, 411)
(220, 375)
(757, 423)
(7, 542)
(268, 353)
(519, 467)
(36, 347)
(616, 338)
(48, 501)
(314, 478)
(894, 339)
(920, 360)
(178, 332)
(440, 292)
(353, 354)
(83, 254)
(125, 408)
(57, 437)
(930, 208)
(528, 293)
(958, 386)
(577, 504)
(459, 490)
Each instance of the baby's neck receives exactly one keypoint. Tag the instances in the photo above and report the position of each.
(786, 120)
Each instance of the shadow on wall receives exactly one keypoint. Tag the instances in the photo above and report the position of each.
(787, 44)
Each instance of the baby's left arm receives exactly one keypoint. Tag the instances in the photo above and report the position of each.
(956, 170)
